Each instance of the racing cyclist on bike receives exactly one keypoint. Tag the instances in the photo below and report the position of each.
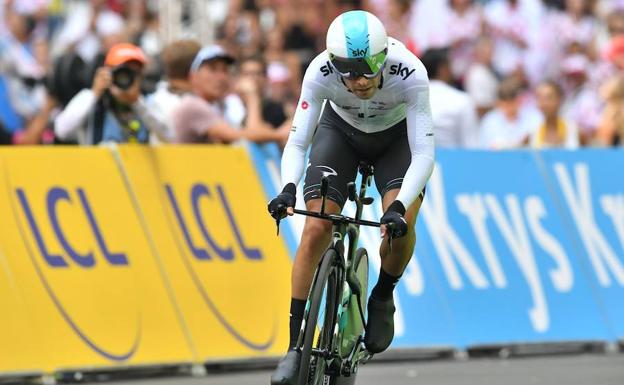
(377, 111)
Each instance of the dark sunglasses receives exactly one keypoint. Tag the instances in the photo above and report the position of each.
(352, 68)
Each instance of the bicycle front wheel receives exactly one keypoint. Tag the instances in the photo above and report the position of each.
(319, 325)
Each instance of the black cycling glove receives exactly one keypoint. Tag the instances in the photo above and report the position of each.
(393, 217)
(279, 204)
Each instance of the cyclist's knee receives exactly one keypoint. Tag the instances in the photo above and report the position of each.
(316, 229)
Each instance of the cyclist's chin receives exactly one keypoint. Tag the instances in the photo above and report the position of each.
(365, 94)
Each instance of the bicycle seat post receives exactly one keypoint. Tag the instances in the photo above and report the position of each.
(324, 188)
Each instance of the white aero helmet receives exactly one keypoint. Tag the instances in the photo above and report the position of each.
(357, 44)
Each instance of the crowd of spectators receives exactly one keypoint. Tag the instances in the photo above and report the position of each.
(504, 73)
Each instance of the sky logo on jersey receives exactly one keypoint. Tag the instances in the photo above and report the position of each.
(403, 71)
(327, 69)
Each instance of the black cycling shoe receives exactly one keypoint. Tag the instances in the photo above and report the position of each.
(287, 370)
(380, 325)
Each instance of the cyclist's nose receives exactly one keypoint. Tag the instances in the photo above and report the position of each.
(361, 81)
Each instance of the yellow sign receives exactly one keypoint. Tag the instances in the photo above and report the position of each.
(206, 212)
(20, 348)
(88, 274)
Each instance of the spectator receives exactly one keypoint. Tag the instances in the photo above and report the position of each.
(397, 25)
(279, 87)
(510, 124)
(513, 26)
(86, 24)
(177, 58)
(575, 27)
(610, 131)
(554, 130)
(453, 112)
(581, 105)
(5, 136)
(481, 82)
(275, 52)
(273, 111)
(22, 74)
(465, 23)
(113, 109)
(428, 24)
(200, 117)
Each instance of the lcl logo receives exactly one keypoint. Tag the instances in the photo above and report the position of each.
(85, 260)
(207, 249)
(54, 196)
(199, 191)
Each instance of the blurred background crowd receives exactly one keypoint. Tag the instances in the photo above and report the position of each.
(504, 73)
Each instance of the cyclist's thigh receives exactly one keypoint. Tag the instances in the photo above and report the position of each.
(392, 164)
(333, 156)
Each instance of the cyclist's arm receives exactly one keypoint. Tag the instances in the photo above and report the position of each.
(301, 132)
(421, 143)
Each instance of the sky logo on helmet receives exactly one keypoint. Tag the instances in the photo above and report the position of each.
(355, 27)
(358, 52)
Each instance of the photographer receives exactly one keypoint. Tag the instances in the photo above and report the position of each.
(113, 110)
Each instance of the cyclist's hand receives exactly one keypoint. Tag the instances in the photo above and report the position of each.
(283, 204)
(394, 221)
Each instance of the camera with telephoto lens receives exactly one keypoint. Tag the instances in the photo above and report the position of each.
(123, 77)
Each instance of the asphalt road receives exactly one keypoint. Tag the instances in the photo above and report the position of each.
(589, 369)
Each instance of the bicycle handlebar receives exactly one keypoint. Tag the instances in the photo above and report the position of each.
(334, 218)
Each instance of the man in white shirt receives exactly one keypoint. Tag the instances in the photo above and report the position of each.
(511, 123)
(454, 115)
(177, 58)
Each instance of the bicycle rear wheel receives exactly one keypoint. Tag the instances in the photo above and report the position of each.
(319, 326)
(354, 327)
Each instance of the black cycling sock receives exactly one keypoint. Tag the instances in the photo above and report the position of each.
(297, 308)
(385, 286)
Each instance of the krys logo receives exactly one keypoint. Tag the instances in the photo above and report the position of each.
(90, 284)
(229, 274)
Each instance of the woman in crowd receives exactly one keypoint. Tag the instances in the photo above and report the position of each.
(554, 130)
(610, 131)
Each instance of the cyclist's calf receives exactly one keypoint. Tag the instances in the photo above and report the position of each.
(314, 240)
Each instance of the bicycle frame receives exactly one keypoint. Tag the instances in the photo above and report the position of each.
(338, 362)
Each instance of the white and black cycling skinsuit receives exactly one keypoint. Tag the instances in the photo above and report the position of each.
(392, 131)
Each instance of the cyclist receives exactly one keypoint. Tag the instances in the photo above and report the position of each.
(377, 111)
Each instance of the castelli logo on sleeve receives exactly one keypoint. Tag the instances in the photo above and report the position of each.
(304, 105)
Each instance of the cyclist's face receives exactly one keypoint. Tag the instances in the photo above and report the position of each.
(362, 87)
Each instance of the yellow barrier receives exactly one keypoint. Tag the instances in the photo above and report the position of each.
(136, 256)
(19, 350)
(85, 269)
(206, 213)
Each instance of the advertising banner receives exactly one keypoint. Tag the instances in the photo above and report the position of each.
(590, 191)
(496, 259)
(85, 269)
(20, 351)
(230, 273)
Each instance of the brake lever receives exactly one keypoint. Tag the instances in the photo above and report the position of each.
(277, 223)
(390, 237)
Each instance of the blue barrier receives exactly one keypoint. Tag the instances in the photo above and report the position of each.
(504, 256)
(590, 193)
